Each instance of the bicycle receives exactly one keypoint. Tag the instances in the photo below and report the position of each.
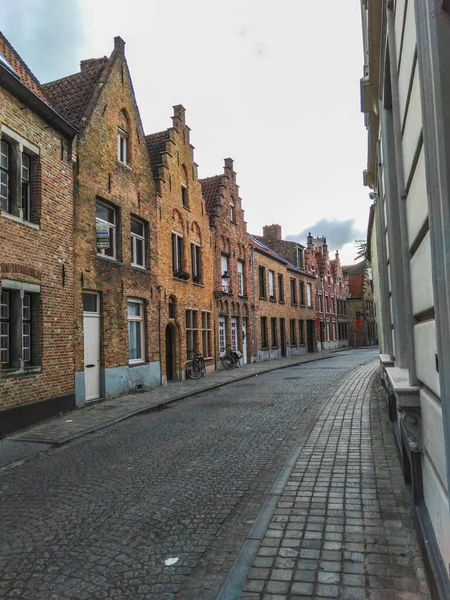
(195, 366)
(231, 358)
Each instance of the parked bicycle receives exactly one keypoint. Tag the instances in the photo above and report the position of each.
(195, 366)
(231, 359)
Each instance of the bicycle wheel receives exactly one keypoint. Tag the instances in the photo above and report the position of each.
(228, 362)
(193, 369)
(202, 366)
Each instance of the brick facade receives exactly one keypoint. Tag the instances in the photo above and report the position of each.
(234, 323)
(331, 292)
(362, 328)
(36, 252)
(114, 184)
(185, 251)
(285, 301)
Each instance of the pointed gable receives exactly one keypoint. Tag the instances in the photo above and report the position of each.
(210, 186)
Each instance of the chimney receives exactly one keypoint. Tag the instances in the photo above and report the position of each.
(119, 44)
(272, 232)
(309, 241)
(179, 112)
(228, 169)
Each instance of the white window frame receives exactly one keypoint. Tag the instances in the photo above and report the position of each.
(25, 209)
(177, 252)
(206, 334)
(122, 146)
(271, 284)
(5, 153)
(196, 261)
(135, 240)
(240, 267)
(137, 319)
(191, 316)
(309, 295)
(234, 333)
(112, 230)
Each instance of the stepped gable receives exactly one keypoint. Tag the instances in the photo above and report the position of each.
(210, 186)
(156, 146)
(71, 94)
(355, 276)
(21, 69)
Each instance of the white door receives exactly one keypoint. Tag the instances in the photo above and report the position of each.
(244, 341)
(91, 326)
(222, 339)
(234, 330)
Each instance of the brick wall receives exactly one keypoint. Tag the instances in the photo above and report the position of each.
(41, 255)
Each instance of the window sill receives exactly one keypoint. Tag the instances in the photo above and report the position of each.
(124, 165)
(265, 348)
(243, 296)
(137, 363)
(274, 347)
(11, 217)
(272, 299)
(293, 303)
(281, 302)
(139, 268)
(263, 297)
(109, 260)
(179, 279)
(186, 208)
(198, 284)
(32, 370)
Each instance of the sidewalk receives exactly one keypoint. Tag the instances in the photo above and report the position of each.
(70, 426)
(337, 523)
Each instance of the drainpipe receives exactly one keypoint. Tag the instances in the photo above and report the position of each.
(255, 344)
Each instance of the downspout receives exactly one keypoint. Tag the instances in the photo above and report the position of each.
(255, 340)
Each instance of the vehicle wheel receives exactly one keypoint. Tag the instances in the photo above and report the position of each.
(227, 362)
(238, 363)
(202, 367)
(193, 370)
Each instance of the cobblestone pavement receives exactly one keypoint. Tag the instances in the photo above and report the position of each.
(99, 518)
(342, 527)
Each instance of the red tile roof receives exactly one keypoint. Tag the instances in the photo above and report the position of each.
(210, 186)
(156, 145)
(23, 72)
(71, 95)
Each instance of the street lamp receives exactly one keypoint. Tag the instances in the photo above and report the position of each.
(225, 285)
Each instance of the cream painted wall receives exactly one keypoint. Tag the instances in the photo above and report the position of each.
(421, 280)
(436, 500)
(425, 348)
(416, 203)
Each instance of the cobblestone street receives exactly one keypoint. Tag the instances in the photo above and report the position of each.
(99, 517)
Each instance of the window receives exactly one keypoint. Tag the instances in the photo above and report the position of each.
(272, 285)
(184, 196)
(232, 213)
(122, 146)
(105, 221)
(196, 263)
(19, 339)
(191, 331)
(302, 292)
(137, 243)
(293, 330)
(264, 340)
(206, 334)
(16, 189)
(4, 175)
(293, 292)
(273, 326)
(222, 336)
(136, 332)
(262, 282)
(309, 294)
(240, 278)
(26, 188)
(280, 288)
(177, 254)
(225, 281)
(301, 332)
(234, 330)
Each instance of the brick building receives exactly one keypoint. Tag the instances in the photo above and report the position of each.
(185, 251)
(233, 283)
(284, 298)
(115, 237)
(331, 294)
(362, 328)
(36, 250)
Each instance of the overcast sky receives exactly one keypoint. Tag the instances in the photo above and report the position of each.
(273, 85)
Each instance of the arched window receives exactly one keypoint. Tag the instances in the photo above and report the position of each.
(184, 187)
(123, 139)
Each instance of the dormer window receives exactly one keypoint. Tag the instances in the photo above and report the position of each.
(122, 146)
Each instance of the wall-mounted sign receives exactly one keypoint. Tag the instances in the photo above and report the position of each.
(102, 230)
